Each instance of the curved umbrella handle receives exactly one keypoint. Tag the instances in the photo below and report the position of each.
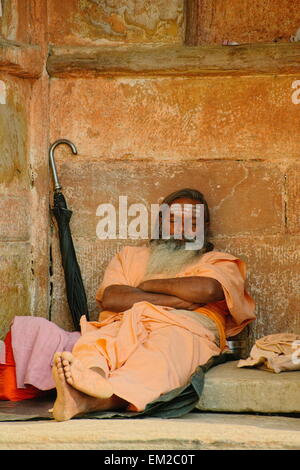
(57, 184)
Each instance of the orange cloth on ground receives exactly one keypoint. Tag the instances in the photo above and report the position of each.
(8, 384)
(149, 350)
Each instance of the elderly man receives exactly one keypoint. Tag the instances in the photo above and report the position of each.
(166, 310)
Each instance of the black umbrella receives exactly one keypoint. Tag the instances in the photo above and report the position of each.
(74, 285)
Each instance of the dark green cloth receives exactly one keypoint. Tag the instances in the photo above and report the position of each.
(173, 404)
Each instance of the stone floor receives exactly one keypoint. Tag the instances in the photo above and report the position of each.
(238, 409)
(195, 431)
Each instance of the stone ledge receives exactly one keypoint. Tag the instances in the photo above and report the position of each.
(199, 431)
(175, 60)
(228, 388)
(21, 60)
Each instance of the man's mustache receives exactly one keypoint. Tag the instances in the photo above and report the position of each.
(183, 238)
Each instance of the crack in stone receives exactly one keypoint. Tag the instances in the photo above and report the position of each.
(231, 193)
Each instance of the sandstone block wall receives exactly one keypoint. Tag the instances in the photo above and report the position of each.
(24, 174)
(243, 21)
(233, 135)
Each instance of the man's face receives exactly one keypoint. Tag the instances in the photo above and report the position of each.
(183, 221)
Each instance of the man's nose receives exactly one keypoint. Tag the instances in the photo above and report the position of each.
(176, 229)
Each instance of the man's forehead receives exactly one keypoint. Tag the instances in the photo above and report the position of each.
(187, 208)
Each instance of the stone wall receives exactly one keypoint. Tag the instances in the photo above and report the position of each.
(243, 21)
(149, 115)
(15, 201)
(90, 22)
(24, 174)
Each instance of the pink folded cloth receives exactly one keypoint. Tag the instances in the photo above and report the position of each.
(34, 342)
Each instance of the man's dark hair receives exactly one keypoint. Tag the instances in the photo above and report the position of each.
(196, 196)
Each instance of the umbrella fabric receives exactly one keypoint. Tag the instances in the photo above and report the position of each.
(74, 285)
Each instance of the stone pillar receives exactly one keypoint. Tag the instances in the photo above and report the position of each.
(24, 175)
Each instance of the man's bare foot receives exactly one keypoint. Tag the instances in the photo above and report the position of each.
(80, 377)
(71, 402)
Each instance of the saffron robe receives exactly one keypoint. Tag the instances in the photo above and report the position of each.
(149, 350)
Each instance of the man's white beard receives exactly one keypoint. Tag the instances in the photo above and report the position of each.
(169, 257)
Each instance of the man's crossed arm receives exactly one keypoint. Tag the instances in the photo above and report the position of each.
(179, 293)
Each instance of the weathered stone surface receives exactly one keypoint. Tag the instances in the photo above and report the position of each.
(39, 202)
(15, 254)
(243, 21)
(9, 19)
(204, 61)
(15, 218)
(24, 177)
(292, 195)
(196, 431)
(256, 186)
(15, 275)
(229, 388)
(273, 280)
(14, 134)
(178, 118)
(23, 21)
(21, 60)
(107, 21)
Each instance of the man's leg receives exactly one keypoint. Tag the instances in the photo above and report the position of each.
(164, 362)
(68, 374)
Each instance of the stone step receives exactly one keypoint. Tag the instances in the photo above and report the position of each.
(228, 388)
(210, 426)
(196, 431)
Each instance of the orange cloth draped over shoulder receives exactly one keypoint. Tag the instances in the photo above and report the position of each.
(149, 349)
